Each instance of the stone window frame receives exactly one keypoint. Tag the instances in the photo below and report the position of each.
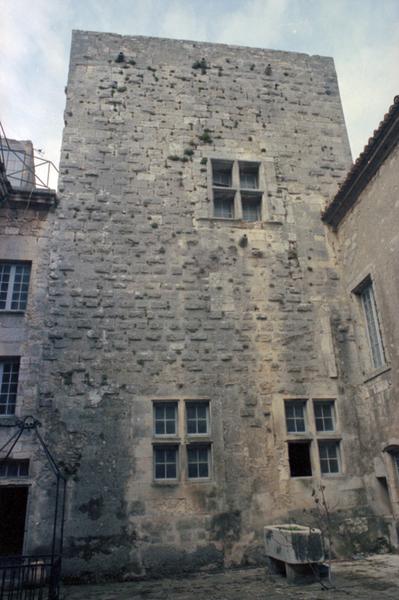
(323, 417)
(236, 191)
(370, 319)
(313, 437)
(181, 441)
(160, 447)
(329, 443)
(10, 398)
(22, 467)
(13, 287)
(390, 455)
(165, 420)
(197, 447)
(291, 403)
(196, 404)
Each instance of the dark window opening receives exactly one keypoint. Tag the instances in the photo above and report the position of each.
(13, 501)
(299, 459)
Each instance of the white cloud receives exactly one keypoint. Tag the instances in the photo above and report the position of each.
(35, 37)
(255, 23)
(368, 83)
(34, 50)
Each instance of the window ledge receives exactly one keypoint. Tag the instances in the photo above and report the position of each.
(166, 483)
(8, 420)
(377, 373)
(159, 440)
(240, 223)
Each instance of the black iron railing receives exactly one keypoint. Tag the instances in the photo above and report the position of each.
(29, 577)
(35, 577)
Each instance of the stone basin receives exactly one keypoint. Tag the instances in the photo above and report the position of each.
(294, 544)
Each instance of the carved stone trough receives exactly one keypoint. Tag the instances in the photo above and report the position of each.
(294, 551)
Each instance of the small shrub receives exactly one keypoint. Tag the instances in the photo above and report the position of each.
(201, 64)
(206, 137)
(120, 58)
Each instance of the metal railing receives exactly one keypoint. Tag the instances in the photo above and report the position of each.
(30, 577)
(25, 169)
(34, 577)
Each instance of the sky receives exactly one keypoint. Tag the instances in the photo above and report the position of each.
(35, 35)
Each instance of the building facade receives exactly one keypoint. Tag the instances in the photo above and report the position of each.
(363, 222)
(26, 482)
(198, 360)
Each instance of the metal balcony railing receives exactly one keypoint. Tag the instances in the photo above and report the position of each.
(24, 169)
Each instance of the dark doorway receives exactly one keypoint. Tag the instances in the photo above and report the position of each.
(13, 501)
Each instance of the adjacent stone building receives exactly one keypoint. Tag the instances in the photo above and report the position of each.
(199, 371)
(364, 222)
(26, 483)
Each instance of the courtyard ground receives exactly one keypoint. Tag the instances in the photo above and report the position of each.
(371, 578)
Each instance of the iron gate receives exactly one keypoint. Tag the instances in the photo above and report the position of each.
(35, 577)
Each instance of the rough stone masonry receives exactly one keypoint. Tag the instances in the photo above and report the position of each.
(168, 302)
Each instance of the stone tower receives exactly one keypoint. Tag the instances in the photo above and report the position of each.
(196, 328)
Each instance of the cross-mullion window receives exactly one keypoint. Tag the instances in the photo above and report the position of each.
(197, 414)
(9, 371)
(198, 459)
(165, 418)
(295, 416)
(165, 462)
(329, 457)
(324, 415)
(14, 285)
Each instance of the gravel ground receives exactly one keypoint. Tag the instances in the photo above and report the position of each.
(369, 578)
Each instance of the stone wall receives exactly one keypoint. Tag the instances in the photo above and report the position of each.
(366, 243)
(24, 236)
(151, 298)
